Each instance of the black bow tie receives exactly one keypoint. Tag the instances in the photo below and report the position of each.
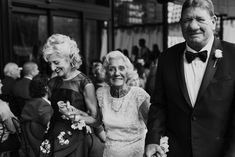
(190, 56)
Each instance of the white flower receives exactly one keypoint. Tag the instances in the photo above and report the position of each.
(164, 144)
(62, 137)
(218, 53)
(45, 146)
(78, 125)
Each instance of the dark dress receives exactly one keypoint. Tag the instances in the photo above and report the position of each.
(72, 91)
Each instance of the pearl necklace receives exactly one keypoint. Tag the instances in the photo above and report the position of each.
(116, 104)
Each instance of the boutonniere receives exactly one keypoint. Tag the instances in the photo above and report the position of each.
(218, 54)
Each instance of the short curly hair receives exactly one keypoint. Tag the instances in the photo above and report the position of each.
(117, 55)
(62, 46)
(38, 87)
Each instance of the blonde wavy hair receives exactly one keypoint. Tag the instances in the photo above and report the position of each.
(63, 46)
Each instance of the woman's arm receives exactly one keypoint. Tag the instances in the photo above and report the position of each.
(144, 109)
(91, 103)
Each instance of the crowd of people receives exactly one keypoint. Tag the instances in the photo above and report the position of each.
(180, 104)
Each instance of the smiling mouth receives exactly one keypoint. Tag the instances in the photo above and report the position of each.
(57, 70)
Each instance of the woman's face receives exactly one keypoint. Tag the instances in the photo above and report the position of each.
(60, 65)
(117, 72)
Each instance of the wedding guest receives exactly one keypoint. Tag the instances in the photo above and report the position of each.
(134, 53)
(124, 109)
(98, 74)
(144, 52)
(73, 94)
(21, 88)
(8, 138)
(36, 114)
(11, 74)
(193, 103)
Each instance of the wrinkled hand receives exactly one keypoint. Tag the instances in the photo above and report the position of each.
(64, 108)
(69, 110)
(78, 112)
(154, 150)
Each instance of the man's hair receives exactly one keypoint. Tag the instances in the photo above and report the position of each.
(205, 4)
(9, 68)
(28, 68)
(38, 86)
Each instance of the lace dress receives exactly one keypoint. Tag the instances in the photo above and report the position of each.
(124, 126)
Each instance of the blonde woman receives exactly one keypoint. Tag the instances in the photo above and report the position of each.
(73, 94)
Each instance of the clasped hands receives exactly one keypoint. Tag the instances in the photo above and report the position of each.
(70, 112)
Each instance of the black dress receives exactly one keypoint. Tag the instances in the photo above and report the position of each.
(74, 142)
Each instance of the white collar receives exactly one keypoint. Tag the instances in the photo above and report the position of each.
(28, 77)
(47, 100)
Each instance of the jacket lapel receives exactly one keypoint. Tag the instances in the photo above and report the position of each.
(181, 76)
(210, 69)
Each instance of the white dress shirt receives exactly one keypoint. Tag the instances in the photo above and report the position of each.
(195, 70)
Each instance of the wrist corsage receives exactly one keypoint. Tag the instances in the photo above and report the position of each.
(67, 110)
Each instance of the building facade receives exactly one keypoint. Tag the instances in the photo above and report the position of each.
(26, 24)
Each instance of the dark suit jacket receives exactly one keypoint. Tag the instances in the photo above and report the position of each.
(208, 129)
(7, 94)
(21, 88)
(21, 93)
(8, 84)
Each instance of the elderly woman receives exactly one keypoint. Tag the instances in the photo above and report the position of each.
(73, 94)
(124, 109)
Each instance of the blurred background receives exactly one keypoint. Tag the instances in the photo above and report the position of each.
(98, 26)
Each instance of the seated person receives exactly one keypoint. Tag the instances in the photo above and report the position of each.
(8, 138)
(36, 114)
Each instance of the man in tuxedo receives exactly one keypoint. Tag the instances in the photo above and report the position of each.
(194, 100)
(21, 88)
(11, 74)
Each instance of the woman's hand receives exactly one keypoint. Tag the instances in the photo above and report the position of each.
(70, 111)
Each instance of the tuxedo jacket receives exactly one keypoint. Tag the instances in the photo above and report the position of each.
(21, 88)
(208, 128)
(21, 94)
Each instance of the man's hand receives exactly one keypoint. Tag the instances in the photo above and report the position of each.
(153, 150)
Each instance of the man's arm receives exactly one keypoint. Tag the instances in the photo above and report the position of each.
(157, 115)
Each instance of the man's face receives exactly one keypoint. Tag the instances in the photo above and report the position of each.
(15, 73)
(197, 27)
(35, 70)
(99, 72)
